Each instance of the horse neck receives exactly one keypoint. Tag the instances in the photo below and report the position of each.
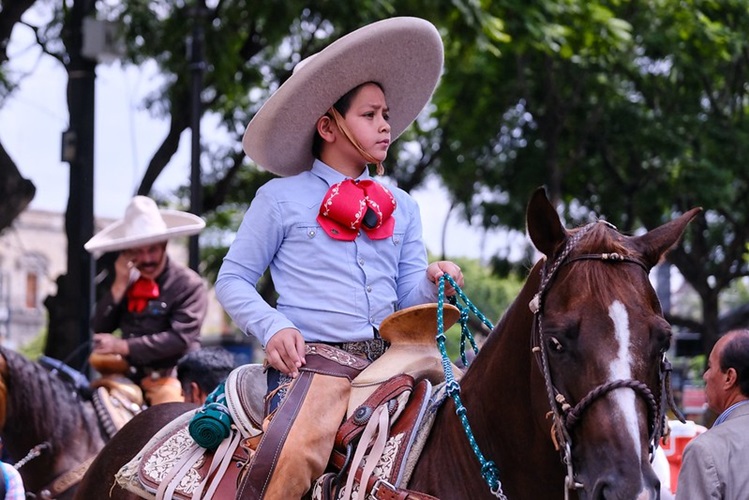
(505, 359)
(505, 403)
(43, 409)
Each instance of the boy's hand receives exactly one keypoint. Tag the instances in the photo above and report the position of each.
(285, 351)
(437, 269)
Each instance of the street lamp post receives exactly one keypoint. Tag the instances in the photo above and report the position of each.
(197, 67)
(70, 336)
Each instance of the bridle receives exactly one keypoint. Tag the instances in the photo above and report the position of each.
(564, 415)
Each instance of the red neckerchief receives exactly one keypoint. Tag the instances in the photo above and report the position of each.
(350, 206)
(140, 292)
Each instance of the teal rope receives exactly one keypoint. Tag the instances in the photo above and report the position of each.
(489, 470)
(212, 423)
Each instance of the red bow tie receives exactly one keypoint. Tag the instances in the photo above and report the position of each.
(140, 293)
(353, 205)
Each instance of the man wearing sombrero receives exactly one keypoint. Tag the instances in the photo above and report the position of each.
(344, 251)
(158, 304)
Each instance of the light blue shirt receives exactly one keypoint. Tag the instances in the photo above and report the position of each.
(330, 290)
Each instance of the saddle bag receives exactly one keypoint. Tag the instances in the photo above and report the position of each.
(173, 465)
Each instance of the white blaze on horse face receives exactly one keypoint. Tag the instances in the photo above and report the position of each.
(621, 369)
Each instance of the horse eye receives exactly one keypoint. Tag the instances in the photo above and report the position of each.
(663, 338)
(555, 345)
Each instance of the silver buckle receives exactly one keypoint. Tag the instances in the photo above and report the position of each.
(376, 488)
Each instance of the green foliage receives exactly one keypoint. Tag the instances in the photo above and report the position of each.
(634, 111)
(35, 347)
(490, 294)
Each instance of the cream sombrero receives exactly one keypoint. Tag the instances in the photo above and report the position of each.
(402, 54)
(144, 224)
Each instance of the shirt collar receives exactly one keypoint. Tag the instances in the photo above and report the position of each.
(727, 412)
(332, 176)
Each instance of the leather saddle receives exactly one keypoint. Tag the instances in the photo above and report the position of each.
(172, 465)
(116, 398)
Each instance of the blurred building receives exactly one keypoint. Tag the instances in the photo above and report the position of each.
(33, 253)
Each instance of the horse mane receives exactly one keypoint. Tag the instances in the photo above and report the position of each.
(53, 408)
(596, 280)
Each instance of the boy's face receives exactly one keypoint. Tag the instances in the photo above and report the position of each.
(368, 120)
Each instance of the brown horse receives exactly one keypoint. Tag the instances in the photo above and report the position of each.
(46, 426)
(582, 368)
(585, 339)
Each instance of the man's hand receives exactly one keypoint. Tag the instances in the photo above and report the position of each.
(123, 267)
(106, 343)
(285, 351)
(437, 269)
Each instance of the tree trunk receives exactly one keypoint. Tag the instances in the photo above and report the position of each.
(710, 320)
(69, 334)
(15, 191)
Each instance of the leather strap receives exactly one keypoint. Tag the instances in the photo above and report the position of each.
(67, 480)
(269, 449)
(322, 359)
(378, 488)
(354, 425)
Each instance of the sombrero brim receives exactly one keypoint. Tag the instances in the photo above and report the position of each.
(402, 54)
(113, 237)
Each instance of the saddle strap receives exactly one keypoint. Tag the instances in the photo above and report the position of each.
(378, 488)
(355, 424)
(375, 433)
(66, 481)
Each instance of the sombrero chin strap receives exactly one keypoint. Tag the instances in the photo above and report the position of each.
(341, 124)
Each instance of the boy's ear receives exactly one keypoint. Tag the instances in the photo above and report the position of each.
(325, 128)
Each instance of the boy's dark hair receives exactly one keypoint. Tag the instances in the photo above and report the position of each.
(207, 367)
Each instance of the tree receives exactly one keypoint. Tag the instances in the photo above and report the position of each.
(16, 192)
(632, 110)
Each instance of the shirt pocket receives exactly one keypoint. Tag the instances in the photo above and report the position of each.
(397, 238)
(306, 232)
(156, 308)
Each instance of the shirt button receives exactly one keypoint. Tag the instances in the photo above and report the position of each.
(369, 289)
(311, 233)
(361, 262)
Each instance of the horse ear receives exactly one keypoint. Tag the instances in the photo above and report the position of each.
(543, 224)
(656, 243)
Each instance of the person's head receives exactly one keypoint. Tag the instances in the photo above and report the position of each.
(144, 231)
(150, 260)
(727, 374)
(201, 371)
(399, 58)
(355, 131)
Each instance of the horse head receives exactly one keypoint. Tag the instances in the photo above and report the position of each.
(600, 339)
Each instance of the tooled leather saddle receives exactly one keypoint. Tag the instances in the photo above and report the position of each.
(375, 447)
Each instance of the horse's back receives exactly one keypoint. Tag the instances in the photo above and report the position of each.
(98, 482)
